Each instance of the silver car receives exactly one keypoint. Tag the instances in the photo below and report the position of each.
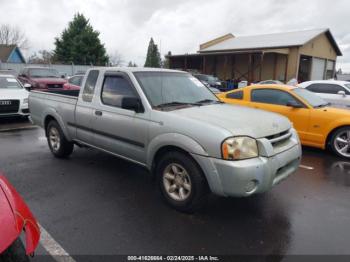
(337, 93)
(170, 123)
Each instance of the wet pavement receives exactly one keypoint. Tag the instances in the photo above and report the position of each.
(95, 204)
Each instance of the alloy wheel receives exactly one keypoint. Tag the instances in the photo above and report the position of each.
(177, 182)
(342, 143)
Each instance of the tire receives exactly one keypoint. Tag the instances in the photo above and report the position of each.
(15, 253)
(181, 182)
(60, 147)
(340, 142)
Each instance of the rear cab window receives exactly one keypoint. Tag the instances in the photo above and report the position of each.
(89, 87)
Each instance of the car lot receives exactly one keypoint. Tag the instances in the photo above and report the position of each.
(96, 204)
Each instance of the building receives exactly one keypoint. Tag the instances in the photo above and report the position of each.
(304, 55)
(11, 54)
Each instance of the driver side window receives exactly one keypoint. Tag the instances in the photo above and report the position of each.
(271, 96)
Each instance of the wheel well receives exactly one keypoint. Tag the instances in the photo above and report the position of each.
(163, 150)
(48, 119)
(332, 132)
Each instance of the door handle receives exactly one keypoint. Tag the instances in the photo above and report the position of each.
(98, 113)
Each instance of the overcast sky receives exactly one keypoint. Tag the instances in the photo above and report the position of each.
(178, 25)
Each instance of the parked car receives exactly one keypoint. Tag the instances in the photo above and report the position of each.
(335, 92)
(168, 122)
(209, 81)
(15, 218)
(13, 97)
(74, 82)
(43, 78)
(318, 124)
(270, 82)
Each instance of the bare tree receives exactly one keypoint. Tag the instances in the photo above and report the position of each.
(116, 59)
(12, 35)
(43, 57)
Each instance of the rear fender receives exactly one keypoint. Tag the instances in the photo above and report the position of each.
(51, 112)
(16, 218)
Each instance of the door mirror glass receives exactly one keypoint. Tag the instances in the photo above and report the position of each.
(132, 103)
(342, 93)
(294, 104)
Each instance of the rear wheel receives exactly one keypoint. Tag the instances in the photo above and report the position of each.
(340, 142)
(58, 143)
(181, 182)
(15, 253)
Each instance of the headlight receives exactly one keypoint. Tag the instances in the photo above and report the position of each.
(239, 148)
(25, 101)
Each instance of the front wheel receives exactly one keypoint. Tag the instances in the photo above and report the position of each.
(340, 142)
(58, 143)
(181, 182)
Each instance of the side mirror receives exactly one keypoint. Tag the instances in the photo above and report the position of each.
(294, 104)
(63, 76)
(132, 103)
(342, 93)
(27, 86)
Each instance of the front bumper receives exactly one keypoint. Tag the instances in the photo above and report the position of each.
(247, 177)
(23, 110)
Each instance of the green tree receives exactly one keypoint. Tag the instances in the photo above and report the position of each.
(153, 56)
(80, 44)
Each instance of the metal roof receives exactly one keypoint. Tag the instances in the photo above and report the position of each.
(278, 40)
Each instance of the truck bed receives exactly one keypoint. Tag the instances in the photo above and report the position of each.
(60, 103)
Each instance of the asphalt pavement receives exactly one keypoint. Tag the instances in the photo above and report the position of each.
(96, 204)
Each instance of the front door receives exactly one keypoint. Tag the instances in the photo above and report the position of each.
(117, 130)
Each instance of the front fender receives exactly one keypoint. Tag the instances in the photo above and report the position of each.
(15, 217)
(173, 139)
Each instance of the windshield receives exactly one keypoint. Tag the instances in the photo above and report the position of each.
(311, 98)
(9, 83)
(347, 85)
(43, 72)
(162, 88)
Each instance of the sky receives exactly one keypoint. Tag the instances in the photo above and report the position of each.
(179, 26)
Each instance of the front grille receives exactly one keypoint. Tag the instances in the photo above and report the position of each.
(280, 138)
(9, 106)
(54, 86)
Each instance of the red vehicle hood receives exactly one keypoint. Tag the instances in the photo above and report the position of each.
(49, 80)
(15, 217)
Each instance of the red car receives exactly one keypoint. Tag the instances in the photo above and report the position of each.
(15, 217)
(42, 78)
(74, 82)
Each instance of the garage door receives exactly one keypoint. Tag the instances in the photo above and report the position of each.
(317, 70)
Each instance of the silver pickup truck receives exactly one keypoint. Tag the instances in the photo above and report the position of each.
(169, 122)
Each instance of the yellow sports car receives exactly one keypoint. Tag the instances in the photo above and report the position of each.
(318, 124)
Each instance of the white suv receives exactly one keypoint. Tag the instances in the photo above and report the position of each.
(335, 92)
(13, 97)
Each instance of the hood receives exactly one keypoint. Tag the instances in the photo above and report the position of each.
(12, 94)
(50, 80)
(238, 120)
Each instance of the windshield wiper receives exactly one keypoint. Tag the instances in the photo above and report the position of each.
(176, 103)
(323, 105)
(209, 101)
